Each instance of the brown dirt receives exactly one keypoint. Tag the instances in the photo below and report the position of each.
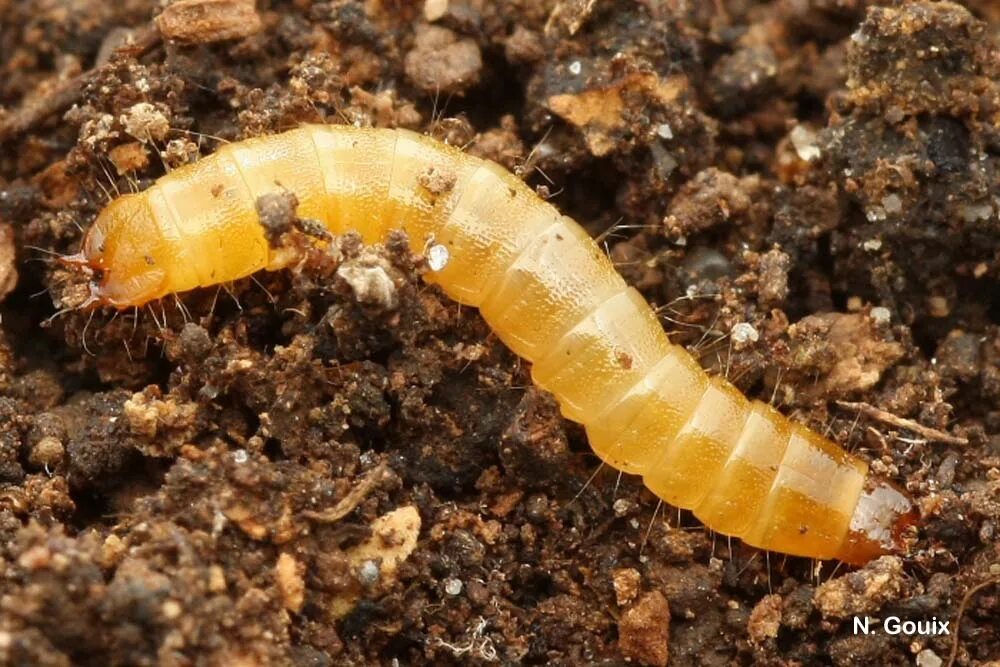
(204, 482)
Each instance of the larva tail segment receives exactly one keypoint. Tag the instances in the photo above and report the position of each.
(880, 523)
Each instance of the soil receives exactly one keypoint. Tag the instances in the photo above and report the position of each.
(336, 465)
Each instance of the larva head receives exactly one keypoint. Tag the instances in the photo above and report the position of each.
(122, 248)
(880, 523)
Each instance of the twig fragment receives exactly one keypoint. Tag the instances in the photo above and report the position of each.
(347, 504)
(925, 432)
(34, 111)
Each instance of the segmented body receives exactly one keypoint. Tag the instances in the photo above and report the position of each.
(546, 289)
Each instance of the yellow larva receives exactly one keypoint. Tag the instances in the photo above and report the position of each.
(550, 294)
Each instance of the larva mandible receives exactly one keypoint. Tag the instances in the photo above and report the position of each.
(549, 293)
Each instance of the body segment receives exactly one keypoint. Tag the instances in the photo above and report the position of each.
(549, 293)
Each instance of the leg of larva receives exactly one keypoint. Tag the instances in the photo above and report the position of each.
(356, 166)
(739, 490)
(631, 433)
(809, 507)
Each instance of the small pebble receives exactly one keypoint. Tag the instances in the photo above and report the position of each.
(368, 575)
(370, 283)
(171, 609)
(48, 452)
(805, 142)
(453, 586)
(621, 507)
(744, 332)
(880, 315)
(928, 658)
(892, 204)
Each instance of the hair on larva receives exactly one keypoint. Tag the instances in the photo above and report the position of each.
(546, 289)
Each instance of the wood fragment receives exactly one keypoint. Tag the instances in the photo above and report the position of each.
(207, 21)
(926, 432)
(568, 17)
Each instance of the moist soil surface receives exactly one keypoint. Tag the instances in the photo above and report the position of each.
(335, 464)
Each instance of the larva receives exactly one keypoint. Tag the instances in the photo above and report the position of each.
(549, 293)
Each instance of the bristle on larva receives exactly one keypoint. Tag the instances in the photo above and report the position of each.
(546, 289)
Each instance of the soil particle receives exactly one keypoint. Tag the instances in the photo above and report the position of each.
(919, 57)
(524, 46)
(100, 445)
(864, 591)
(369, 277)
(739, 80)
(644, 631)
(710, 198)
(773, 288)
(277, 214)
(626, 582)
(130, 157)
(145, 122)
(442, 62)
(765, 619)
(846, 351)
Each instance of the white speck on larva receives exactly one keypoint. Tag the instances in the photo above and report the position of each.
(453, 586)
(437, 257)
(240, 456)
(744, 332)
(575, 67)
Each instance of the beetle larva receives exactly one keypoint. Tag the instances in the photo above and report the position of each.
(549, 293)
